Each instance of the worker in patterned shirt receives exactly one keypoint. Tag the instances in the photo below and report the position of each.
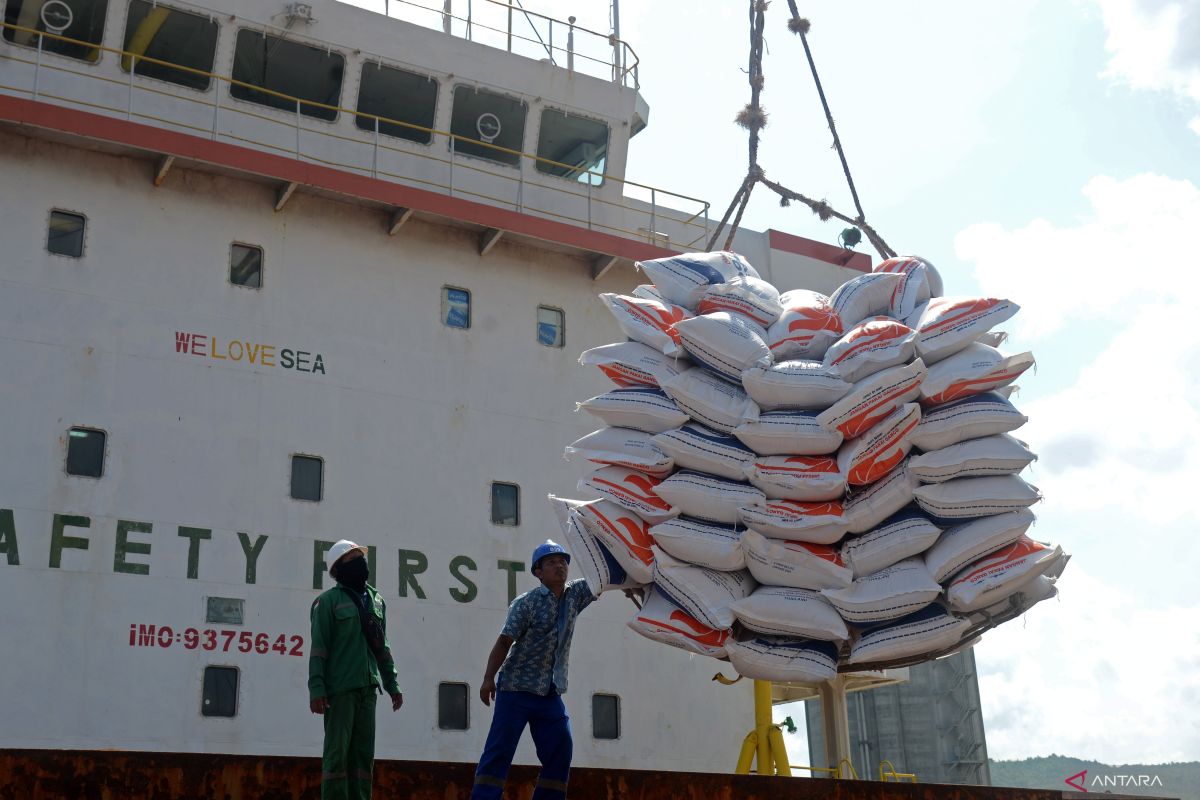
(531, 656)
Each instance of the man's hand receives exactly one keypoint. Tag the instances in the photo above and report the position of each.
(487, 692)
(318, 706)
(397, 701)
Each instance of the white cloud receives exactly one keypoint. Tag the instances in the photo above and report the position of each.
(1132, 249)
(1093, 674)
(1154, 44)
(1194, 124)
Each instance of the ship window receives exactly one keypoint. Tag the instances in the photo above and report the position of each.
(307, 477)
(456, 307)
(573, 147)
(78, 20)
(224, 610)
(302, 73)
(220, 692)
(606, 716)
(490, 118)
(167, 34)
(550, 326)
(452, 706)
(64, 235)
(245, 265)
(85, 452)
(506, 503)
(399, 95)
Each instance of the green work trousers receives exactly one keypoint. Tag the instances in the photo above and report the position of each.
(349, 745)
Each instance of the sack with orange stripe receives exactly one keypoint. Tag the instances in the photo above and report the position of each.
(663, 621)
(625, 535)
(874, 344)
(881, 449)
(594, 561)
(647, 321)
(631, 490)
(809, 479)
(806, 328)
(975, 369)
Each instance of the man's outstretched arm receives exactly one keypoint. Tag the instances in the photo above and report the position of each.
(487, 690)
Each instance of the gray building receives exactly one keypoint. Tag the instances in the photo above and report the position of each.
(931, 726)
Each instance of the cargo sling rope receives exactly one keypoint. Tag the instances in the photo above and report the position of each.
(754, 118)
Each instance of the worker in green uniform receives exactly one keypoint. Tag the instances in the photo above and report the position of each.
(348, 663)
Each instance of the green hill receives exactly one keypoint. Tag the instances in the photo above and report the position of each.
(1181, 780)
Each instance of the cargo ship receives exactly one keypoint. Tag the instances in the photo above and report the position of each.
(277, 274)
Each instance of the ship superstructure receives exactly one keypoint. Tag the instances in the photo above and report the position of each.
(279, 274)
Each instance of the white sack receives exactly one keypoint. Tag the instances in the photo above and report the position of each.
(874, 344)
(782, 658)
(647, 321)
(1000, 574)
(708, 497)
(633, 364)
(819, 523)
(702, 449)
(975, 458)
(948, 324)
(881, 449)
(806, 328)
(919, 281)
(727, 344)
(975, 369)
(624, 533)
(969, 418)
(709, 400)
(661, 620)
(1029, 595)
(888, 594)
(867, 508)
(959, 546)
(621, 447)
(752, 298)
(805, 478)
(705, 544)
(775, 433)
(873, 398)
(595, 563)
(906, 533)
(641, 408)
(682, 279)
(785, 611)
(967, 498)
(795, 384)
(631, 490)
(930, 630)
(801, 565)
(648, 291)
(703, 593)
(867, 295)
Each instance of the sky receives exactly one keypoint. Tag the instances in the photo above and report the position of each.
(1047, 151)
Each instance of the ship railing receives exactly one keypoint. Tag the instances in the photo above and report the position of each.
(639, 211)
(563, 44)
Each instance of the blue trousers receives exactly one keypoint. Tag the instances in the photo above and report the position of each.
(551, 729)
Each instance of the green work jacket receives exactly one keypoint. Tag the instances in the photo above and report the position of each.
(339, 659)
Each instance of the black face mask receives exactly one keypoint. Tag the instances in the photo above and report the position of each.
(353, 573)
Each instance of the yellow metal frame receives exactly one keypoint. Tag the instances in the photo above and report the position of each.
(129, 59)
(889, 773)
(764, 744)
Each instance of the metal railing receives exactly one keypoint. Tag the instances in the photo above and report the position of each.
(694, 226)
(619, 67)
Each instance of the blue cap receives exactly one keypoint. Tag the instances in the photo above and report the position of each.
(547, 548)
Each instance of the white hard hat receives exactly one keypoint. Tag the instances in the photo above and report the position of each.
(339, 549)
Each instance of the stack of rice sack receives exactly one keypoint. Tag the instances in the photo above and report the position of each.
(804, 482)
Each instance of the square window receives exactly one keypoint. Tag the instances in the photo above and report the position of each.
(456, 307)
(506, 503)
(292, 73)
(245, 265)
(220, 692)
(550, 326)
(85, 452)
(168, 36)
(64, 236)
(307, 477)
(225, 610)
(398, 95)
(66, 20)
(573, 147)
(606, 716)
(452, 706)
(482, 121)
